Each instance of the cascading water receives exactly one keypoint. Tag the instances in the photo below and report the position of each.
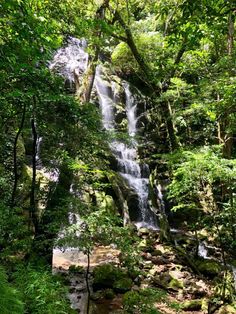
(71, 62)
(126, 154)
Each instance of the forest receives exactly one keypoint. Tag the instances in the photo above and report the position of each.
(117, 156)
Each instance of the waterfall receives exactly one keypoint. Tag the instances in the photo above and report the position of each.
(72, 61)
(126, 154)
(202, 250)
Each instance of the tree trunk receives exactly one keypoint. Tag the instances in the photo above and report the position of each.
(89, 77)
(225, 138)
(55, 213)
(149, 81)
(230, 44)
(15, 166)
(130, 42)
(33, 214)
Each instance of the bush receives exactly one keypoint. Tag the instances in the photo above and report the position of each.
(42, 292)
(10, 302)
(142, 301)
(106, 275)
(122, 285)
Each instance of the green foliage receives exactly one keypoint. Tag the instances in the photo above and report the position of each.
(122, 285)
(10, 298)
(143, 301)
(194, 171)
(14, 233)
(105, 276)
(42, 291)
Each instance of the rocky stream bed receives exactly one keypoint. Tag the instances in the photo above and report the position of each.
(166, 281)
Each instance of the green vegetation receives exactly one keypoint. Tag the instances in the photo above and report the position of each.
(143, 301)
(55, 157)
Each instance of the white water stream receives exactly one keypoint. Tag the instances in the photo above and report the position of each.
(126, 154)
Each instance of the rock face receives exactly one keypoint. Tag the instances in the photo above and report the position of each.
(123, 113)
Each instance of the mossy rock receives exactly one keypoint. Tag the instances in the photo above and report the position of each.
(143, 231)
(168, 282)
(109, 294)
(192, 305)
(175, 284)
(105, 276)
(122, 285)
(146, 245)
(157, 253)
(134, 273)
(209, 268)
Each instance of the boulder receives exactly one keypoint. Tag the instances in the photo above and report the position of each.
(168, 282)
(192, 305)
(209, 268)
(175, 284)
(143, 231)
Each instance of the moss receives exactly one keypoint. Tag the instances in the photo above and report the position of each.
(192, 305)
(76, 269)
(209, 268)
(109, 294)
(175, 284)
(143, 300)
(122, 285)
(106, 275)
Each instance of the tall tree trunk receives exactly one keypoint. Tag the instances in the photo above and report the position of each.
(167, 114)
(89, 77)
(130, 42)
(230, 44)
(15, 166)
(225, 138)
(33, 213)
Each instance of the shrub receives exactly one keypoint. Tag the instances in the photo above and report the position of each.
(42, 292)
(142, 301)
(10, 302)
